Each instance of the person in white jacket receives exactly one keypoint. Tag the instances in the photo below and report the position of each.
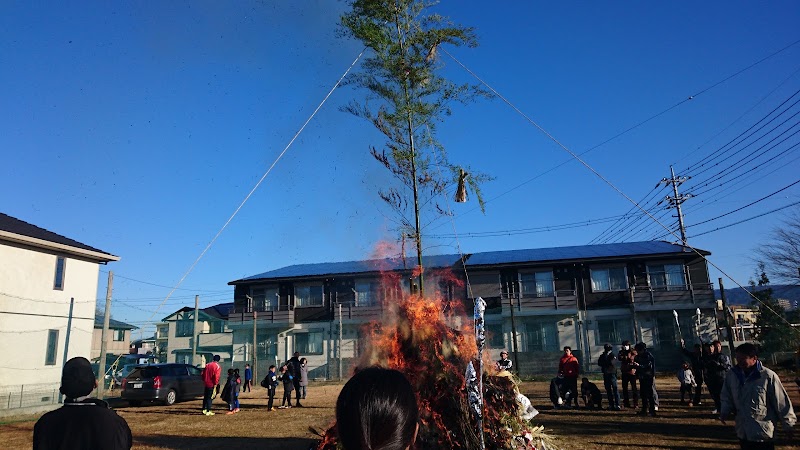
(759, 399)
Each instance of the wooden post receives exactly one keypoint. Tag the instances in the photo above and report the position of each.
(194, 330)
(513, 329)
(66, 340)
(101, 371)
(633, 315)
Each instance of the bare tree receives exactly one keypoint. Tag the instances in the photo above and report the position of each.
(781, 253)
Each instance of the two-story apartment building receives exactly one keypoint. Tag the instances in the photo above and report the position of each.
(176, 333)
(538, 301)
(48, 287)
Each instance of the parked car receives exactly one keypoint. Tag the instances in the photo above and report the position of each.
(124, 372)
(165, 383)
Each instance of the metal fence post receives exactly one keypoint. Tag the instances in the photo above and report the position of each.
(21, 393)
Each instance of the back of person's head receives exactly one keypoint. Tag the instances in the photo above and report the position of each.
(77, 378)
(585, 380)
(303, 360)
(377, 410)
(236, 371)
(230, 372)
(607, 347)
(640, 347)
(216, 358)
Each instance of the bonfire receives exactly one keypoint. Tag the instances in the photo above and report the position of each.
(433, 343)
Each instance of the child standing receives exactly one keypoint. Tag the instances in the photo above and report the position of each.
(303, 376)
(686, 377)
(288, 387)
(271, 383)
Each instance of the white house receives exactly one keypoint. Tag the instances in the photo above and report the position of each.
(48, 288)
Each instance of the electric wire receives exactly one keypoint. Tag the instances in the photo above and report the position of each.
(261, 180)
(609, 183)
(746, 220)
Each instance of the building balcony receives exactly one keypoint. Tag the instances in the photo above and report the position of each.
(560, 300)
(281, 317)
(701, 294)
(352, 312)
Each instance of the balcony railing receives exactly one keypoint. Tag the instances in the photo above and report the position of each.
(559, 299)
(361, 312)
(280, 316)
(683, 293)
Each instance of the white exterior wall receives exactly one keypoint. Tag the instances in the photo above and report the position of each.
(30, 307)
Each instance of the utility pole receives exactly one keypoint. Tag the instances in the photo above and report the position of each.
(194, 330)
(106, 319)
(255, 341)
(340, 341)
(511, 296)
(727, 319)
(66, 340)
(677, 200)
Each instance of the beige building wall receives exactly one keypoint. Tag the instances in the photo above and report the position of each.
(116, 347)
(31, 307)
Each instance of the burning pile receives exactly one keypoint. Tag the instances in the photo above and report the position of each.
(433, 349)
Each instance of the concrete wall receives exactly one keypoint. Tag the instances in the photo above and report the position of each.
(32, 307)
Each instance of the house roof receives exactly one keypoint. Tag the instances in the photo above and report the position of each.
(539, 255)
(220, 311)
(580, 252)
(17, 230)
(112, 324)
(347, 267)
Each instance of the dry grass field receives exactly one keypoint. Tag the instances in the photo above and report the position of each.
(183, 427)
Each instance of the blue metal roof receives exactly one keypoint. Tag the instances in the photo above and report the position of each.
(576, 253)
(339, 268)
(580, 252)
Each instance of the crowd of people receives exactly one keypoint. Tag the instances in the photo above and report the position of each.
(749, 390)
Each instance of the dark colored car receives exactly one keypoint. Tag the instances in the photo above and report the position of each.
(166, 383)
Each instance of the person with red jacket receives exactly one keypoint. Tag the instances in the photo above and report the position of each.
(211, 375)
(569, 367)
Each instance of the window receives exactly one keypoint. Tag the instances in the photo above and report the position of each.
(366, 293)
(537, 284)
(494, 335)
(307, 295)
(184, 328)
(667, 277)
(119, 335)
(614, 331)
(540, 336)
(609, 279)
(52, 342)
(163, 333)
(216, 326)
(265, 298)
(308, 343)
(61, 263)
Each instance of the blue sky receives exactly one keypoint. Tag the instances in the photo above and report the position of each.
(139, 127)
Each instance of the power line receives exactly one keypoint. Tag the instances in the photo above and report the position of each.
(745, 206)
(746, 220)
(163, 286)
(261, 180)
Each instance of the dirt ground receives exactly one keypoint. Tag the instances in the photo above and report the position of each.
(182, 425)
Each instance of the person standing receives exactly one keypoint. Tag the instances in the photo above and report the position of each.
(286, 378)
(569, 367)
(696, 361)
(717, 366)
(688, 383)
(609, 368)
(759, 399)
(293, 366)
(248, 378)
(83, 422)
(211, 376)
(271, 383)
(626, 356)
(645, 365)
(303, 376)
(504, 363)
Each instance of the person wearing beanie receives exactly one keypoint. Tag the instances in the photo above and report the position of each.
(645, 366)
(82, 423)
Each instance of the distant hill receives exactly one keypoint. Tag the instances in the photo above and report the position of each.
(736, 296)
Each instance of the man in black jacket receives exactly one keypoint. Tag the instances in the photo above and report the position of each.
(646, 370)
(717, 366)
(293, 365)
(83, 423)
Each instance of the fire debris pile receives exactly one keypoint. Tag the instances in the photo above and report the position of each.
(433, 350)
